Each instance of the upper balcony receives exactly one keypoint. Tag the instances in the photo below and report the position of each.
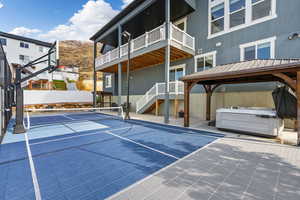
(146, 21)
(148, 49)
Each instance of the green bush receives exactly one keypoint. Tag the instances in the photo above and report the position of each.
(59, 85)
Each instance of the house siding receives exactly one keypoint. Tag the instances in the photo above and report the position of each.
(284, 25)
(281, 27)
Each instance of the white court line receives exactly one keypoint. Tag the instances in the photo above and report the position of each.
(33, 172)
(76, 136)
(140, 144)
(68, 117)
(185, 132)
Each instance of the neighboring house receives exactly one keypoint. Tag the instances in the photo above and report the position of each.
(203, 34)
(21, 50)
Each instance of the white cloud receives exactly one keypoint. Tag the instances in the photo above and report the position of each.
(1, 5)
(84, 23)
(24, 31)
(126, 3)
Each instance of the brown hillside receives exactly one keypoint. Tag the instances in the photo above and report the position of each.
(78, 54)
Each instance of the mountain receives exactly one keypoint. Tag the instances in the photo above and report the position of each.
(78, 54)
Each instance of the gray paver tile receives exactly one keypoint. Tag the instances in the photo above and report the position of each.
(200, 190)
(122, 196)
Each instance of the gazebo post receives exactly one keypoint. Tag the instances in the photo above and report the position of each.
(186, 104)
(208, 101)
(298, 105)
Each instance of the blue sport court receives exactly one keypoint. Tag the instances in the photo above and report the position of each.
(88, 155)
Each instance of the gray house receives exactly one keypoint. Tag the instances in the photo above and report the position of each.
(173, 38)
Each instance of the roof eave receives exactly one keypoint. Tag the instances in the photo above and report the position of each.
(124, 12)
(25, 39)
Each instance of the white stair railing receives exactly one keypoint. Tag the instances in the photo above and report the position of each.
(175, 88)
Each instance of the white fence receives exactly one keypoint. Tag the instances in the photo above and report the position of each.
(147, 39)
(175, 88)
(32, 97)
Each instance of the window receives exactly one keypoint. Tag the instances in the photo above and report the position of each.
(217, 18)
(24, 59)
(262, 49)
(177, 72)
(237, 12)
(181, 24)
(205, 61)
(108, 81)
(230, 15)
(24, 45)
(41, 49)
(261, 8)
(3, 41)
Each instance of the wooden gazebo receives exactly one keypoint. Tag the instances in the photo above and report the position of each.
(286, 71)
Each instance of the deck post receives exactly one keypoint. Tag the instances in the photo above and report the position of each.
(186, 104)
(156, 108)
(298, 106)
(119, 67)
(167, 63)
(95, 77)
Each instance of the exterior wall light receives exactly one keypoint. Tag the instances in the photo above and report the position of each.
(294, 35)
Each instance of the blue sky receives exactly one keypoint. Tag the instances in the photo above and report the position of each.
(57, 19)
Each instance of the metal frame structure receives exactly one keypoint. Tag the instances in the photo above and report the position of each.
(19, 126)
(128, 37)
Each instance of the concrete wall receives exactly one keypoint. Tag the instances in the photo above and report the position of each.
(219, 100)
(32, 97)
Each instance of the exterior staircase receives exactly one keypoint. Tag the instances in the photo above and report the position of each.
(157, 93)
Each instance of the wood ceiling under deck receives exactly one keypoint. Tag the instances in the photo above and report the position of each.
(150, 59)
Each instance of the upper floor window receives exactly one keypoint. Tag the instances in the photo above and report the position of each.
(24, 45)
(237, 12)
(108, 81)
(3, 41)
(261, 8)
(217, 18)
(41, 49)
(230, 15)
(262, 49)
(24, 59)
(205, 61)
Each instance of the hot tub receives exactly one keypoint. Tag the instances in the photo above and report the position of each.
(252, 120)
